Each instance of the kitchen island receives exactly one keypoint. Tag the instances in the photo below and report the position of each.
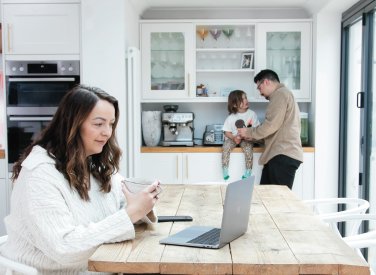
(283, 237)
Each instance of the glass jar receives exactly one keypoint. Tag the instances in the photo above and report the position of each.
(304, 128)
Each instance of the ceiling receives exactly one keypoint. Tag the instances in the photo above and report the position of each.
(311, 6)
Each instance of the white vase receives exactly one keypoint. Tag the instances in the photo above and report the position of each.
(151, 127)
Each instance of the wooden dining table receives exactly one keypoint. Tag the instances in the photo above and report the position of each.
(284, 237)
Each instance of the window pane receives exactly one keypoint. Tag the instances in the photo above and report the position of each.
(353, 112)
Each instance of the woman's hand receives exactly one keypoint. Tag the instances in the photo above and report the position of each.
(141, 203)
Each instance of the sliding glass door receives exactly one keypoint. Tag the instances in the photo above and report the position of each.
(358, 108)
(354, 112)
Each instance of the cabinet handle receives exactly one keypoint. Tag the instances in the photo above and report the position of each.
(177, 167)
(30, 118)
(45, 79)
(186, 167)
(8, 37)
(189, 84)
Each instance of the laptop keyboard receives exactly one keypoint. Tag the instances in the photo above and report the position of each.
(211, 237)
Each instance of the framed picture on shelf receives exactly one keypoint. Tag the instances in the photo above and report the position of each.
(247, 61)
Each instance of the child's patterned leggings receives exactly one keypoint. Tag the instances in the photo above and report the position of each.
(247, 147)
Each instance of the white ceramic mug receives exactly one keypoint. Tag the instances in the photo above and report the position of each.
(135, 185)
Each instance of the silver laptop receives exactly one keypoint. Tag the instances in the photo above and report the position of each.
(234, 220)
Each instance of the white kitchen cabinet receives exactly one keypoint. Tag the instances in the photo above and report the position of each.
(178, 58)
(237, 166)
(41, 29)
(3, 196)
(286, 48)
(225, 56)
(3, 205)
(182, 168)
(2, 169)
(304, 180)
(224, 59)
(178, 168)
(202, 168)
(167, 167)
(167, 63)
(194, 168)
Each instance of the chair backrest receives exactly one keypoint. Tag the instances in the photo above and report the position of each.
(11, 266)
(353, 206)
(326, 209)
(358, 240)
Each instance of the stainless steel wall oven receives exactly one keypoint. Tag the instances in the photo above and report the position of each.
(33, 92)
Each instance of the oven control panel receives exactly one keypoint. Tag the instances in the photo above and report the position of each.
(44, 68)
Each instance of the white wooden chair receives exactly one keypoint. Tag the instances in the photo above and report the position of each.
(12, 266)
(355, 239)
(326, 209)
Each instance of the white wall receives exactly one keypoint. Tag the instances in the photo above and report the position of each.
(326, 91)
(108, 27)
(327, 94)
(132, 26)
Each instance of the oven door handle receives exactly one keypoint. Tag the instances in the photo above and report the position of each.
(46, 79)
(30, 118)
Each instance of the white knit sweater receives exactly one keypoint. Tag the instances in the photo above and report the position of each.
(51, 228)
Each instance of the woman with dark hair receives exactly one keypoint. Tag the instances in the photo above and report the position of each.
(68, 197)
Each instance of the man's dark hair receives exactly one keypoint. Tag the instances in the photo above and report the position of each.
(266, 74)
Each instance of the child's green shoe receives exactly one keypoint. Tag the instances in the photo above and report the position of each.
(247, 174)
(226, 176)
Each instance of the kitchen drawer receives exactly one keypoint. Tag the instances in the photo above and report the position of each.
(181, 168)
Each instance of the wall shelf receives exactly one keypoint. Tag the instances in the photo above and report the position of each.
(224, 70)
(225, 49)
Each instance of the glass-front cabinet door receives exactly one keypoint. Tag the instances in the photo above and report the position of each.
(286, 49)
(167, 62)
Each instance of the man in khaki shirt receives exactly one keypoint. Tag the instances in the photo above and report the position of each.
(280, 131)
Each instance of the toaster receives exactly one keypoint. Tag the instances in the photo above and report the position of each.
(213, 134)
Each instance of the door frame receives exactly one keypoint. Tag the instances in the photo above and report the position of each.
(360, 11)
(363, 10)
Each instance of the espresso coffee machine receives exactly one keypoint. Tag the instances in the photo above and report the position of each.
(177, 129)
